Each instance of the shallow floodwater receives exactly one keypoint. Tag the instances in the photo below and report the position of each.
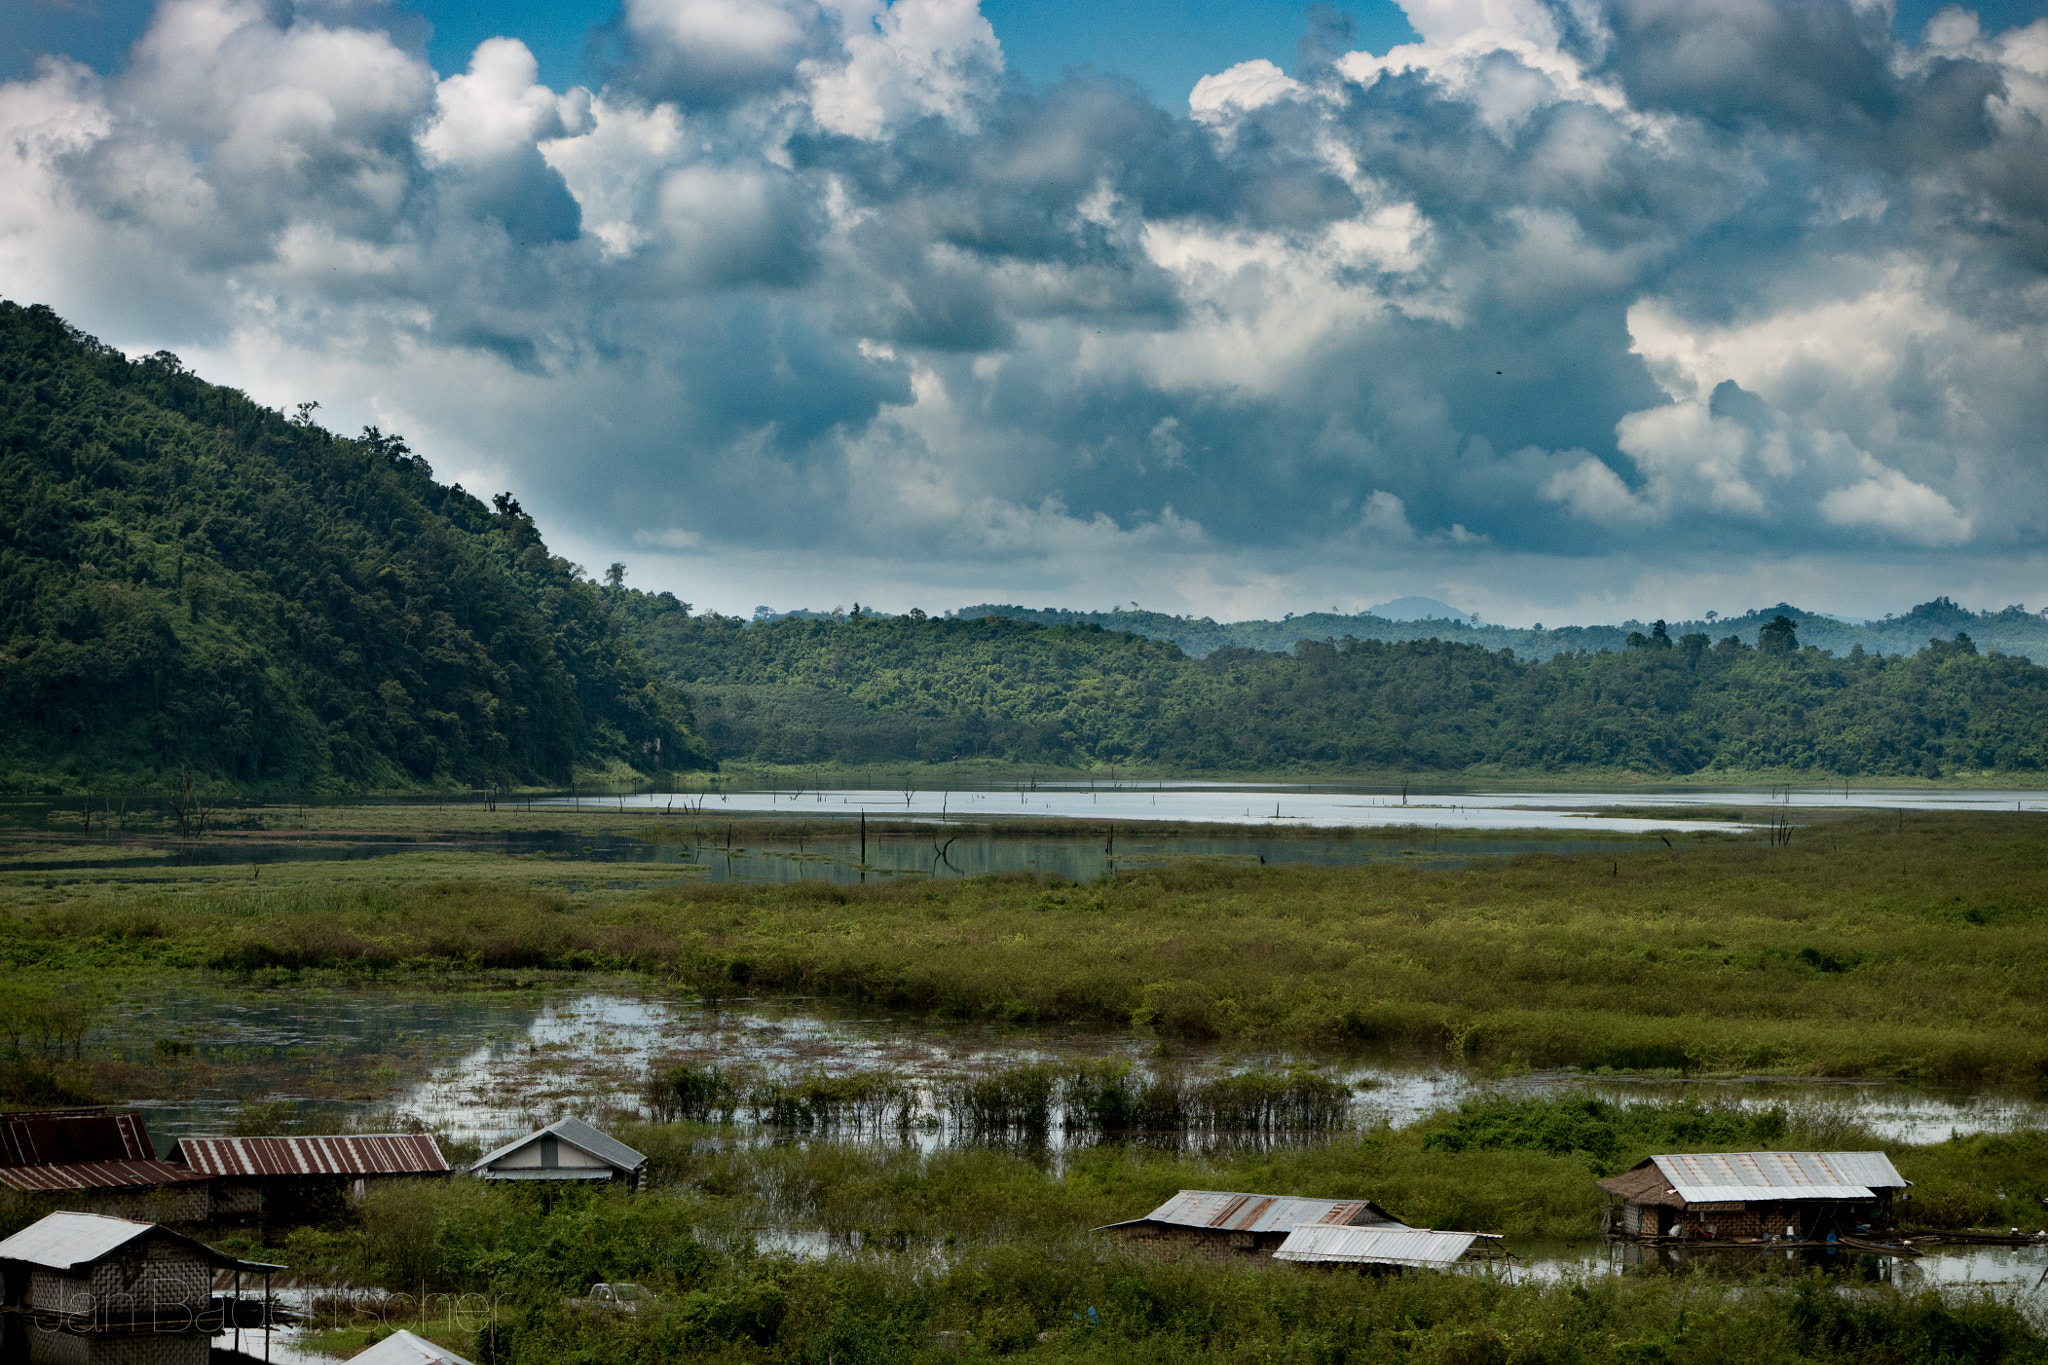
(487, 1065)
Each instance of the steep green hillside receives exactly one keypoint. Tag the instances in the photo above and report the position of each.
(870, 689)
(189, 581)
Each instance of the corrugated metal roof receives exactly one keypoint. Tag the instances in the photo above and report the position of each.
(1732, 1177)
(63, 1241)
(68, 1136)
(403, 1348)
(1380, 1245)
(360, 1154)
(97, 1175)
(577, 1134)
(1228, 1212)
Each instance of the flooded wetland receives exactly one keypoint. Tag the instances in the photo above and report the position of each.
(938, 1040)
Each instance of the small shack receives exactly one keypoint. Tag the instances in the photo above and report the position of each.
(568, 1149)
(404, 1348)
(83, 1287)
(1221, 1224)
(282, 1174)
(1753, 1196)
(1390, 1246)
(98, 1160)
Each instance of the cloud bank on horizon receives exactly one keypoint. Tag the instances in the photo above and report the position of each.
(1573, 306)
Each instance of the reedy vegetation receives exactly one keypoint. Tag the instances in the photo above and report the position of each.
(1875, 946)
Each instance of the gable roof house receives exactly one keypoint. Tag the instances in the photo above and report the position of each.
(568, 1149)
(1221, 1224)
(83, 1287)
(1800, 1196)
(100, 1161)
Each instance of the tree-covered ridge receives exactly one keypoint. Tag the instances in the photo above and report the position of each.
(869, 689)
(2013, 630)
(191, 581)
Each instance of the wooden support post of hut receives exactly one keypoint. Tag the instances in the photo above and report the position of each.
(1218, 1225)
(1755, 1196)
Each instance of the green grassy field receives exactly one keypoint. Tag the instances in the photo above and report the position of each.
(1871, 946)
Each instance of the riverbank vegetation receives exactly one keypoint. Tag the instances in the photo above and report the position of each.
(1888, 945)
(984, 1250)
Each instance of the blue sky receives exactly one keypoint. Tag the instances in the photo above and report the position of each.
(1557, 309)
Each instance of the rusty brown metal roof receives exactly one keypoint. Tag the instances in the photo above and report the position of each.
(69, 1136)
(96, 1175)
(1644, 1184)
(1221, 1211)
(359, 1154)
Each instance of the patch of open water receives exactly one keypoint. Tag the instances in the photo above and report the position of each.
(1311, 805)
(487, 1065)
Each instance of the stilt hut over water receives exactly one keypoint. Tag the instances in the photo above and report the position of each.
(1743, 1196)
(86, 1289)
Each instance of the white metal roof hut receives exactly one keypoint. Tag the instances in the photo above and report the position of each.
(1752, 1196)
(1218, 1223)
(403, 1348)
(274, 1174)
(568, 1149)
(1392, 1247)
(83, 1288)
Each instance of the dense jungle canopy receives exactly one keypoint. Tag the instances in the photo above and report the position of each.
(192, 582)
(867, 689)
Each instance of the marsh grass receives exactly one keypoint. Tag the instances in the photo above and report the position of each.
(1906, 946)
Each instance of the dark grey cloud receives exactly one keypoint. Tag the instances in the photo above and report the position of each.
(1563, 294)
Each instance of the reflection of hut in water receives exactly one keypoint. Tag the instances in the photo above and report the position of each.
(568, 1149)
(1389, 1246)
(97, 1160)
(1214, 1224)
(85, 1289)
(1729, 1196)
(282, 1175)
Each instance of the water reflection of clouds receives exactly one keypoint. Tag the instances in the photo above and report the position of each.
(1320, 805)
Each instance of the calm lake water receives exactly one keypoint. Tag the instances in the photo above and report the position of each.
(1320, 806)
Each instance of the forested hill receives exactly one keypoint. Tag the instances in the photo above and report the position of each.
(2012, 630)
(192, 583)
(878, 689)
